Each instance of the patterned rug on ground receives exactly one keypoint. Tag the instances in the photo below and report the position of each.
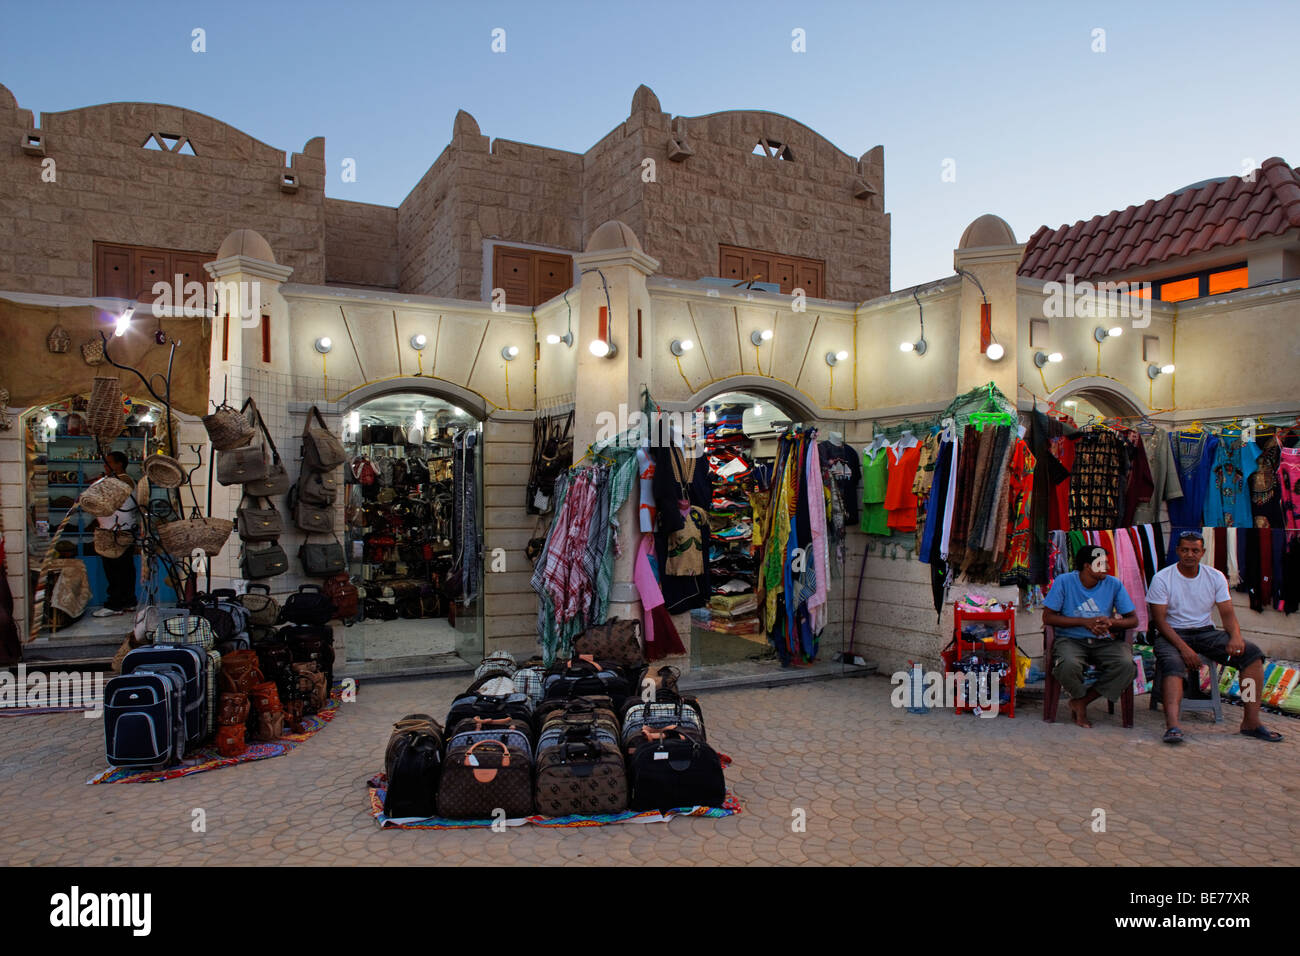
(207, 758)
(731, 805)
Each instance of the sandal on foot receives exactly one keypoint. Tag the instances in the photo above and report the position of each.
(1263, 733)
(1173, 736)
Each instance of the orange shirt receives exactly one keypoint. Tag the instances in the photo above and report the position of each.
(900, 502)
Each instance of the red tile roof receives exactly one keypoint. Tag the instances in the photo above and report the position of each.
(1194, 219)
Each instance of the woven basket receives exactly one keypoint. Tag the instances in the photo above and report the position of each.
(59, 340)
(228, 428)
(104, 497)
(105, 418)
(92, 350)
(181, 538)
(164, 471)
(111, 543)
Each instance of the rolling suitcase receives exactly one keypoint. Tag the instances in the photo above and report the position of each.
(669, 769)
(144, 721)
(468, 706)
(580, 678)
(192, 663)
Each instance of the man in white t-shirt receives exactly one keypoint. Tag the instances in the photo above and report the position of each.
(1181, 598)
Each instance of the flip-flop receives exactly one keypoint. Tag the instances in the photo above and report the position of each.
(1263, 733)
(1173, 736)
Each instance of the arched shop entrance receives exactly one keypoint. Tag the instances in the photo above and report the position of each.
(60, 460)
(1084, 400)
(413, 517)
(742, 432)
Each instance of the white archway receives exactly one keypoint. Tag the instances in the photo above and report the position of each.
(473, 403)
(1108, 395)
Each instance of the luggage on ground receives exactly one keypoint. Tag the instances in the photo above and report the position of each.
(413, 767)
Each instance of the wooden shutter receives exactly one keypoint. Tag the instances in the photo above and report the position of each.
(147, 267)
(810, 279)
(733, 264)
(785, 274)
(112, 272)
(512, 270)
(788, 272)
(554, 274)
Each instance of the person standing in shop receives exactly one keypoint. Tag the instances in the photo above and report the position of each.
(120, 571)
(1181, 598)
(1090, 611)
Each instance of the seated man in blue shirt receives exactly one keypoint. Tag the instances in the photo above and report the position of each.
(1090, 611)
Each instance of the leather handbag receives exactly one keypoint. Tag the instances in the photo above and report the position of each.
(311, 681)
(240, 465)
(230, 740)
(259, 520)
(232, 708)
(276, 481)
(267, 725)
(308, 517)
(413, 767)
(239, 672)
(318, 487)
(322, 560)
(616, 641)
(264, 697)
(484, 777)
(321, 450)
(257, 563)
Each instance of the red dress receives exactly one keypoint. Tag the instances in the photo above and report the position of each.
(900, 502)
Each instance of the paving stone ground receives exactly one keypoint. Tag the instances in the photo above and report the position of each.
(877, 786)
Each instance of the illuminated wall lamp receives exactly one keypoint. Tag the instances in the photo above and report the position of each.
(1101, 335)
(123, 322)
(919, 346)
(566, 338)
(995, 351)
(680, 347)
(1155, 371)
(324, 344)
(508, 352)
(758, 338)
(418, 341)
(602, 345)
(1042, 358)
(834, 358)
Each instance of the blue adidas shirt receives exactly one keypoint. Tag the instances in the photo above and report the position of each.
(1069, 597)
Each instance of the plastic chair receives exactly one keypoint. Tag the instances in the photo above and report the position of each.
(1214, 705)
(1052, 687)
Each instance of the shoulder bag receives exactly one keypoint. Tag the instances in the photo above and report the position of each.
(264, 562)
(322, 560)
(276, 481)
(259, 520)
(314, 519)
(318, 488)
(321, 450)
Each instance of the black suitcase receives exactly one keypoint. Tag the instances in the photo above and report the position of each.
(672, 770)
(144, 724)
(192, 661)
(413, 766)
(468, 706)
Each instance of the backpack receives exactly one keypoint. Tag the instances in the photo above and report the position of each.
(346, 597)
(308, 605)
(413, 766)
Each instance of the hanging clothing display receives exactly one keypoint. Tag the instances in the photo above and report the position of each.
(1049, 475)
(1288, 477)
(1095, 481)
(924, 481)
(1165, 483)
(1015, 567)
(465, 541)
(900, 501)
(661, 637)
(875, 484)
(1140, 485)
(1266, 488)
(842, 463)
(1193, 454)
(1227, 502)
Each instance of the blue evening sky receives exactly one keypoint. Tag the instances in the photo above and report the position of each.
(1042, 129)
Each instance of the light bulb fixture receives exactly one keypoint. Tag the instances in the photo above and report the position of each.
(123, 322)
(680, 347)
(566, 338)
(599, 348)
(919, 346)
(1055, 357)
(995, 351)
(418, 341)
(1042, 358)
(460, 411)
(1071, 403)
(508, 352)
(1155, 371)
(354, 423)
(758, 338)
(1101, 335)
(713, 415)
(50, 422)
(602, 346)
(324, 344)
(147, 417)
(419, 418)
(758, 409)
(834, 358)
